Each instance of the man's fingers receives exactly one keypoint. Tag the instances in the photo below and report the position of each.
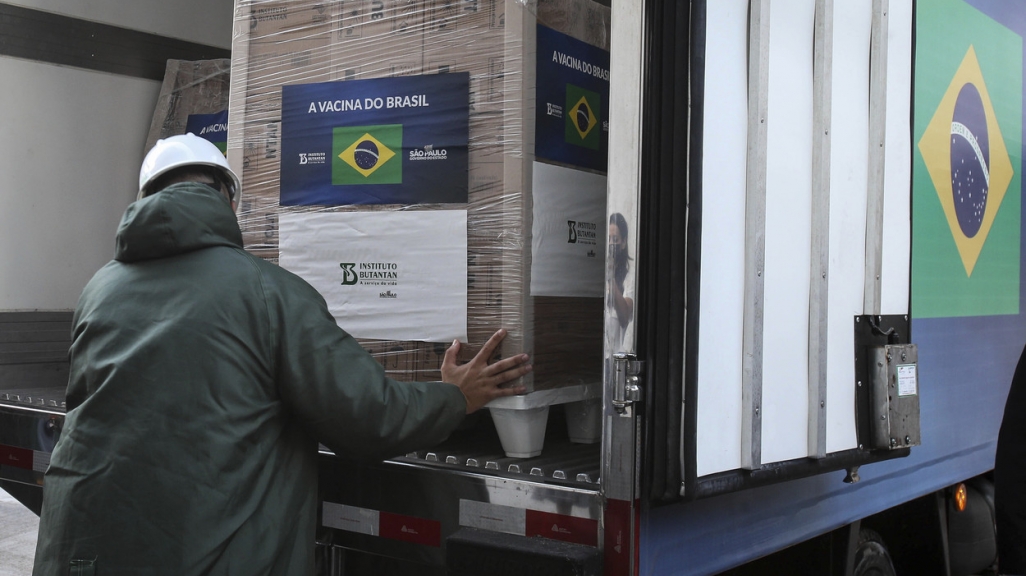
(491, 345)
(511, 374)
(506, 370)
(501, 392)
(451, 354)
(506, 364)
(516, 372)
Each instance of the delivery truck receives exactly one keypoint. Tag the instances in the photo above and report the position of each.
(820, 207)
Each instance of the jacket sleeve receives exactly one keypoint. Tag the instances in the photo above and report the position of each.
(340, 393)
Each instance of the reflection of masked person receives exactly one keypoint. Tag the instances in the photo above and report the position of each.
(617, 265)
(620, 279)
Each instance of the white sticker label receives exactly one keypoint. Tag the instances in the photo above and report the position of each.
(493, 517)
(568, 242)
(906, 380)
(385, 275)
(350, 518)
(40, 461)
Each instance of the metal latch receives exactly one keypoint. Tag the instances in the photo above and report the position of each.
(626, 376)
(894, 382)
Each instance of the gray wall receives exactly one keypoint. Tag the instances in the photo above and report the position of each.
(71, 146)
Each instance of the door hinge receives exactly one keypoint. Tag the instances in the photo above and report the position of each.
(626, 389)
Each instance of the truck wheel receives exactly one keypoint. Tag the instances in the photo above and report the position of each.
(871, 556)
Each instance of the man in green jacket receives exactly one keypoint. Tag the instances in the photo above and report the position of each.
(202, 379)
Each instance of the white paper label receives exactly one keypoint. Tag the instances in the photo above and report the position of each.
(40, 461)
(906, 380)
(568, 247)
(493, 517)
(384, 275)
(351, 518)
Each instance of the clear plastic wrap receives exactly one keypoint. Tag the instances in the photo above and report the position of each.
(194, 94)
(291, 44)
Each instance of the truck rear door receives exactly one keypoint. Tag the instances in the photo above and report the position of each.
(775, 244)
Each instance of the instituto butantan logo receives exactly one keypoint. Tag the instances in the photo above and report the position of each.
(968, 162)
(306, 158)
(583, 109)
(370, 274)
(367, 154)
(582, 232)
(348, 274)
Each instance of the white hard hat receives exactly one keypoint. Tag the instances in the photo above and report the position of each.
(184, 150)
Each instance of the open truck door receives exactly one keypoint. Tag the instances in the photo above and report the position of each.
(775, 294)
(776, 199)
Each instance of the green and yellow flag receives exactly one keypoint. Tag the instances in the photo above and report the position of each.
(966, 180)
(367, 154)
(583, 111)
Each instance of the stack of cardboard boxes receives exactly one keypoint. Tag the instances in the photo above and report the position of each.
(193, 97)
(285, 43)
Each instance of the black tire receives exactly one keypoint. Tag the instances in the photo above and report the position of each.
(871, 556)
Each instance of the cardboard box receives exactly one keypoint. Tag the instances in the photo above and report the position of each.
(387, 38)
(266, 21)
(585, 21)
(189, 87)
(377, 39)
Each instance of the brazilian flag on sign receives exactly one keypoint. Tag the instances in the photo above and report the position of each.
(583, 111)
(367, 154)
(966, 179)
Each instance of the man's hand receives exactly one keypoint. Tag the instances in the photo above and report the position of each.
(480, 381)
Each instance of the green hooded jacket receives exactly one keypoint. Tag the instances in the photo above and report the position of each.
(201, 380)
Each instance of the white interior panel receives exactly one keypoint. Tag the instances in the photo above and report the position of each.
(849, 164)
(897, 233)
(723, 240)
(68, 168)
(201, 21)
(788, 232)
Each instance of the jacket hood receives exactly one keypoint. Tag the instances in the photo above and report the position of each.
(181, 218)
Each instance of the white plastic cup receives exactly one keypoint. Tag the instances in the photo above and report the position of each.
(521, 432)
(584, 421)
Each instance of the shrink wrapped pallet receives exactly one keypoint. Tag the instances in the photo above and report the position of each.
(193, 98)
(387, 155)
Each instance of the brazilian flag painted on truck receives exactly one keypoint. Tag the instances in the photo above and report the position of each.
(967, 163)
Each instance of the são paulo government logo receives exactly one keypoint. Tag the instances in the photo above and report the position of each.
(367, 154)
(967, 160)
